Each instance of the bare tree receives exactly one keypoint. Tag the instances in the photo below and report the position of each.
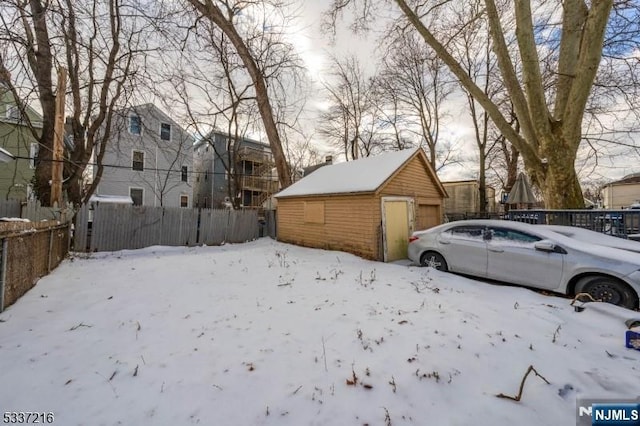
(99, 44)
(396, 125)
(418, 79)
(27, 30)
(213, 86)
(474, 47)
(225, 14)
(350, 122)
(550, 117)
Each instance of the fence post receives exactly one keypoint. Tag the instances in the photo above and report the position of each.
(3, 273)
(50, 250)
(198, 226)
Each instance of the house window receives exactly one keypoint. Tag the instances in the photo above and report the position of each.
(137, 195)
(137, 162)
(33, 155)
(165, 131)
(13, 112)
(184, 173)
(135, 125)
(184, 201)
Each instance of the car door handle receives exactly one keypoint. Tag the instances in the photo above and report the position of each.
(444, 242)
(496, 249)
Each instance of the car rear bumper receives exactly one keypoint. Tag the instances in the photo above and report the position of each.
(414, 252)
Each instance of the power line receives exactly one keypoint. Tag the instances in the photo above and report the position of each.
(152, 169)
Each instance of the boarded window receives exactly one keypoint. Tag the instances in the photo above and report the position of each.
(314, 212)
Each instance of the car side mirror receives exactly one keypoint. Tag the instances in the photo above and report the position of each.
(545, 245)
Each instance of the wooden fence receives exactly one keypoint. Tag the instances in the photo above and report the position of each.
(28, 251)
(33, 211)
(110, 227)
(31, 249)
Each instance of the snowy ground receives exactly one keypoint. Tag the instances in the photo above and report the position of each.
(269, 333)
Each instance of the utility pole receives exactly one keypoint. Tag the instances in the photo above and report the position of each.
(58, 152)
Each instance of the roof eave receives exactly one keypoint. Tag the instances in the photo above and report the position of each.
(328, 194)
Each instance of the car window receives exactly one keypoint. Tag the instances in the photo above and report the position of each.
(512, 236)
(467, 232)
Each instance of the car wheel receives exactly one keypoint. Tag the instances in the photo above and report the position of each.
(434, 260)
(608, 289)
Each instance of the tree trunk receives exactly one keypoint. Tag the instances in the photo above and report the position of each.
(482, 181)
(561, 188)
(557, 177)
(215, 15)
(41, 61)
(549, 140)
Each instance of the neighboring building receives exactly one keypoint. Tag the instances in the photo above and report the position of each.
(367, 207)
(148, 158)
(15, 137)
(308, 170)
(215, 164)
(464, 197)
(622, 193)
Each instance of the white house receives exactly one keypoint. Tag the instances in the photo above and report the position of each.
(148, 158)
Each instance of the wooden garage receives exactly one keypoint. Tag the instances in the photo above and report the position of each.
(367, 207)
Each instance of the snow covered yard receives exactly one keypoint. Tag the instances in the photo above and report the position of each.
(269, 333)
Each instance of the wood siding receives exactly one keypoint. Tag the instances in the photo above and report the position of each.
(351, 223)
(464, 197)
(619, 196)
(414, 181)
(427, 216)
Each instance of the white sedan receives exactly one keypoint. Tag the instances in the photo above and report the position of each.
(546, 257)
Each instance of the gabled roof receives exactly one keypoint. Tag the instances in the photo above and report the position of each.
(363, 175)
(632, 178)
(154, 111)
(7, 99)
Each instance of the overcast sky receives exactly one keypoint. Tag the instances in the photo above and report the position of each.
(315, 49)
